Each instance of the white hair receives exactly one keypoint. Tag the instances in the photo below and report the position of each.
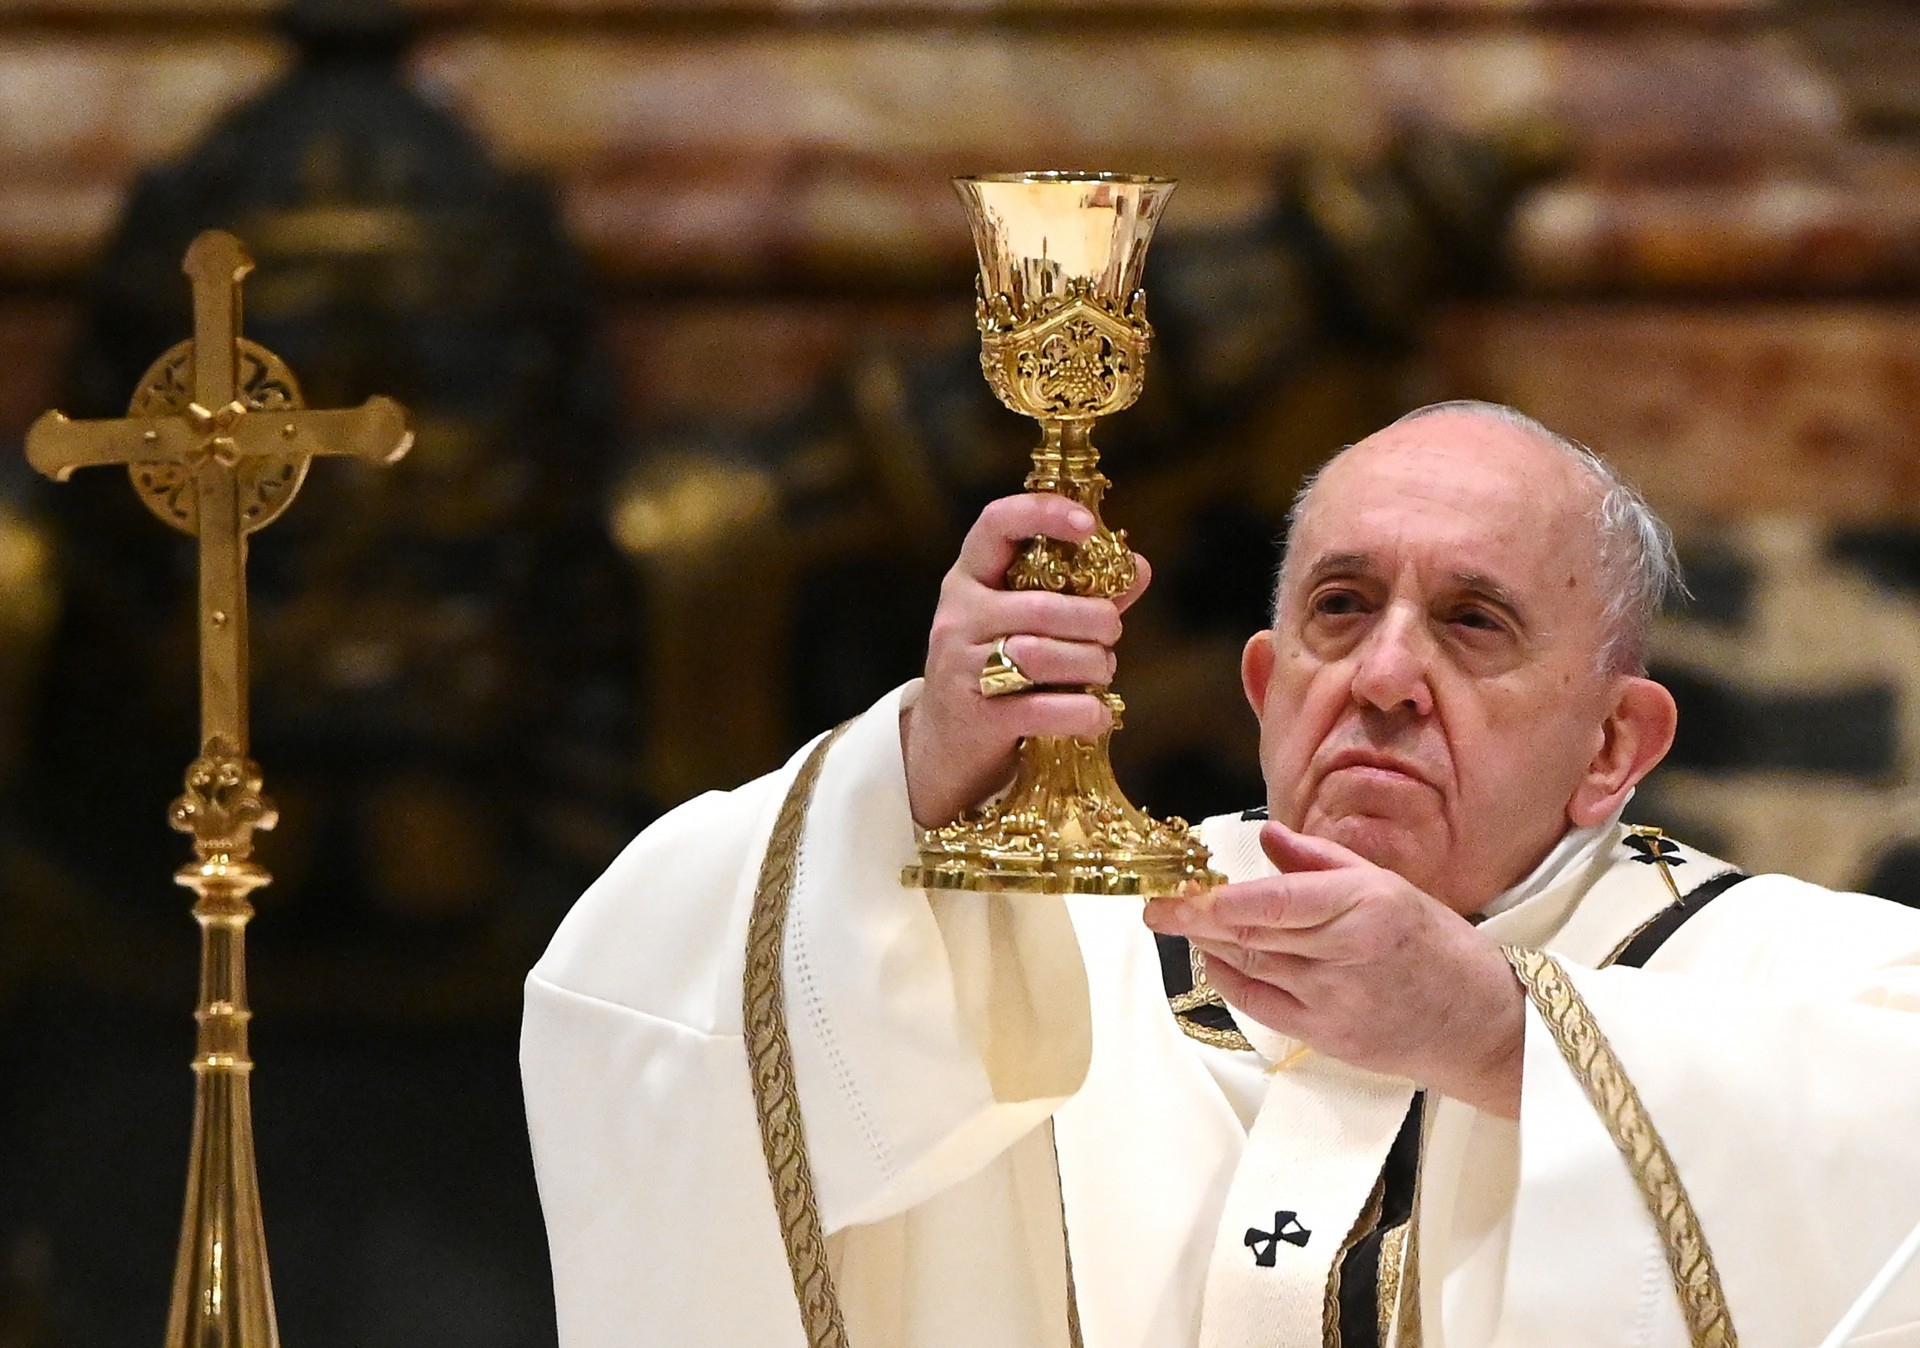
(1638, 569)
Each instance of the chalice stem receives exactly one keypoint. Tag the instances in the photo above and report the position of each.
(1065, 461)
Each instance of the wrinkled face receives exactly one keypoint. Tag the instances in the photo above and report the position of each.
(1429, 695)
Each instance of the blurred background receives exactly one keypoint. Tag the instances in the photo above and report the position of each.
(681, 302)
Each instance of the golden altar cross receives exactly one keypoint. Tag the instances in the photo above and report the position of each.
(218, 440)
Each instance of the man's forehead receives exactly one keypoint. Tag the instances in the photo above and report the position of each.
(1488, 500)
(1467, 453)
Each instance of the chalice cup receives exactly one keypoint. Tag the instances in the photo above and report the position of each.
(1063, 339)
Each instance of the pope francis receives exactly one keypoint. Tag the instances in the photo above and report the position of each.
(1457, 1058)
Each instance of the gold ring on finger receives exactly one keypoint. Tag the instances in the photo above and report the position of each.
(1000, 675)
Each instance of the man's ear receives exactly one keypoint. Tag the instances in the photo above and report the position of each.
(1256, 669)
(1633, 739)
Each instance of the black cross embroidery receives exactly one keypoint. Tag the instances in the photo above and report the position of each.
(1265, 1244)
(1655, 849)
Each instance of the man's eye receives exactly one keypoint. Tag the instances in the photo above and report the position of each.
(1476, 619)
(1335, 603)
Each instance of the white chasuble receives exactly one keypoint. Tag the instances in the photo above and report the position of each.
(942, 1052)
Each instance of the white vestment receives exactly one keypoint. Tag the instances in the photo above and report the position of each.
(1774, 1043)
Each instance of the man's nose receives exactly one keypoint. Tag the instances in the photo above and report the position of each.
(1393, 663)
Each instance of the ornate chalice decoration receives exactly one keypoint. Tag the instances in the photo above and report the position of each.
(1063, 337)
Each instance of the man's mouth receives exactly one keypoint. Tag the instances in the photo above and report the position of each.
(1373, 763)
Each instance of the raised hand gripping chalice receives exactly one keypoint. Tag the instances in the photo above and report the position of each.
(1063, 337)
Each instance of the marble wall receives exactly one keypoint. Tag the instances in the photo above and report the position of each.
(723, 152)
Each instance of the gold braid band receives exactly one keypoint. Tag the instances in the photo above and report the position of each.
(1582, 1043)
(770, 1059)
(776, 1101)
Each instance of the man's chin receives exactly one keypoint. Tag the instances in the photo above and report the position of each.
(1385, 842)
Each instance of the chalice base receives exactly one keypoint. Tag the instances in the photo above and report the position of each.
(1062, 828)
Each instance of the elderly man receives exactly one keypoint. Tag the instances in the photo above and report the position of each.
(1469, 1062)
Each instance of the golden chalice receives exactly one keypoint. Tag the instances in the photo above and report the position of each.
(1063, 338)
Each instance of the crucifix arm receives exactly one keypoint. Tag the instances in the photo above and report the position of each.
(57, 444)
(375, 430)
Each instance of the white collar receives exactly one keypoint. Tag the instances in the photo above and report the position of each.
(1573, 850)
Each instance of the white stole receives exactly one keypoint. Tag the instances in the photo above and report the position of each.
(1308, 1179)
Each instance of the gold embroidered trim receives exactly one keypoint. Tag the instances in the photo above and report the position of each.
(1368, 1219)
(1190, 1000)
(1206, 1034)
(1407, 1318)
(1200, 992)
(776, 1101)
(1203, 993)
(1393, 1249)
(770, 1058)
(1066, 1246)
(1582, 1043)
